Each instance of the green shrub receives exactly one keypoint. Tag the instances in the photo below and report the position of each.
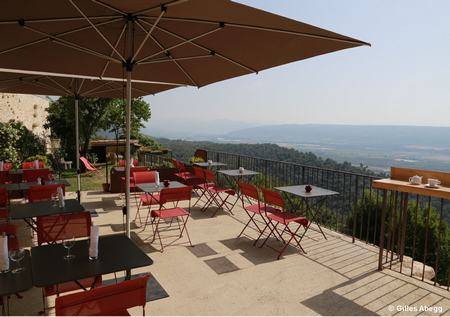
(196, 159)
(18, 143)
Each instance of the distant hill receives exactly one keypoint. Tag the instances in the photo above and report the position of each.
(351, 135)
(184, 150)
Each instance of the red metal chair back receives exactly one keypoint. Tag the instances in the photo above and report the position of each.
(51, 229)
(144, 177)
(31, 165)
(202, 154)
(123, 162)
(3, 198)
(179, 165)
(210, 176)
(33, 175)
(138, 169)
(43, 192)
(249, 190)
(4, 177)
(199, 172)
(106, 300)
(175, 194)
(273, 198)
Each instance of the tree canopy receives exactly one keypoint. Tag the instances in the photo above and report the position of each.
(95, 114)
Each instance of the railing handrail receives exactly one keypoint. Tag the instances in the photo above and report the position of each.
(298, 164)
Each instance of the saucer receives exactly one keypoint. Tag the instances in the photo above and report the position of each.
(429, 186)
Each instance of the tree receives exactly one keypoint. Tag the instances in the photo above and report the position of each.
(61, 120)
(115, 117)
(94, 114)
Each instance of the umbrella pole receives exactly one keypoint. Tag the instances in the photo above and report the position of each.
(127, 152)
(77, 148)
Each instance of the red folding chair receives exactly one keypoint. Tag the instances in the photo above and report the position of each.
(214, 194)
(252, 205)
(4, 201)
(87, 165)
(31, 165)
(11, 232)
(44, 192)
(111, 300)
(52, 229)
(144, 199)
(31, 175)
(123, 162)
(276, 215)
(132, 182)
(174, 195)
(184, 176)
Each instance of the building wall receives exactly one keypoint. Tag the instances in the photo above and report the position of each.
(29, 109)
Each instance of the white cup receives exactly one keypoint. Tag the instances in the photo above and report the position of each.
(432, 182)
(241, 170)
(415, 180)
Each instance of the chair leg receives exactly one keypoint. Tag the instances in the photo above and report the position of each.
(274, 228)
(187, 232)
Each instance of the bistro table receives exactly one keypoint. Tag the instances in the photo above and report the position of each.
(11, 284)
(28, 211)
(115, 253)
(235, 176)
(17, 190)
(318, 194)
(151, 188)
(210, 164)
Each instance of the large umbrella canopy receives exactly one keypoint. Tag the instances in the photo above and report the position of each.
(50, 84)
(191, 42)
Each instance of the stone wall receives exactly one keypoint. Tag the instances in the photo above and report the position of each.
(29, 109)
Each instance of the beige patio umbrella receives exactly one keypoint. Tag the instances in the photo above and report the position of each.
(49, 84)
(191, 42)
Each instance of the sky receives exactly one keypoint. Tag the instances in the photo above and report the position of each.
(403, 79)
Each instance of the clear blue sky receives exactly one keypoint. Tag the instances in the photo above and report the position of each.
(404, 78)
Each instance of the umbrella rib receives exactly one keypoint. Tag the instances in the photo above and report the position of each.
(148, 33)
(109, 7)
(46, 38)
(79, 87)
(249, 69)
(59, 85)
(262, 28)
(96, 88)
(170, 56)
(67, 19)
(173, 59)
(169, 4)
(186, 41)
(97, 30)
(58, 40)
(42, 85)
(112, 52)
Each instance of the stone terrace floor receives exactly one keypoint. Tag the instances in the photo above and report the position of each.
(223, 275)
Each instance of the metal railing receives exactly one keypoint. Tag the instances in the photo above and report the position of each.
(356, 211)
